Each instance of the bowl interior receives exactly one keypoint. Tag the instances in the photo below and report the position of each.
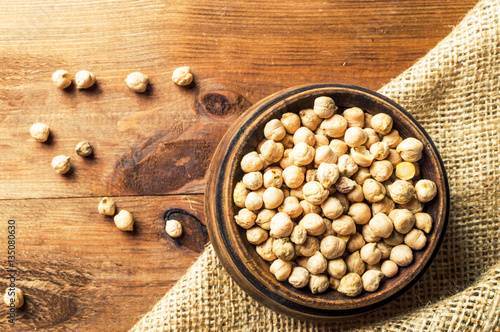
(247, 267)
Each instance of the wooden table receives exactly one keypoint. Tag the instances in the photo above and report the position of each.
(78, 271)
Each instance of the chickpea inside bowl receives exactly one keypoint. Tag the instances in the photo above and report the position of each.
(267, 279)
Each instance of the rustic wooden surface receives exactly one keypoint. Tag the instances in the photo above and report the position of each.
(152, 150)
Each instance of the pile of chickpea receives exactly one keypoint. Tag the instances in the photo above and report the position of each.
(334, 200)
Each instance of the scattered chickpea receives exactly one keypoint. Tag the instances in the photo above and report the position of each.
(324, 154)
(84, 79)
(410, 149)
(401, 191)
(174, 228)
(324, 107)
(381, 225)
(124, 221)
(61, 164)
(318, 283)
(371, 280)
(389, 268)
(313, 224)
(298, 235)
(381, 123)
(355, 117)
(291, 122)
(403, 220)
(327, 174)
(281, 269)
(137, 82)
(281, 225)
(381, 170)
(347, 166)
(339, 147)
(425, 190)
(13, 295)
(256, 235)
(299, 277)
(370, 253)
(332, 247)
(360, 213)
(379, 150)
(361, 156)
(402, 255)
(392, 139)
(373, 190)
(265, 250)
(415, 239)
(283, 248)
(40, 132)
(182, 76)
(423, 221)
(344, 225)
(314, 192)
(61, 78)
(308, 248)
(335, 126)
(356, 242)
(106, 206)
(84, 149)
(309, 119)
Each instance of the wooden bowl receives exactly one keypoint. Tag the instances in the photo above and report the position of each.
(239, 257)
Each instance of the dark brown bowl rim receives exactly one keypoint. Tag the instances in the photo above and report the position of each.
(215, 186)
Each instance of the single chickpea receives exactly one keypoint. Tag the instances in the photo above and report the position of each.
(309, 208)
(84, 79)
(332, 247)
(309, 119)
(350, 285)
(332, 208)
(344, 225)
(355, 264)
(287, 159)
(426, 190)
(394, 239)
(174, 228)
(382, 123)
(251, 162)
(403, 220)
(372, 137)
(281, 269)
(317, 263)
(410, 149)
(308, 248)
(361, 175)
(324, 107)
(302, 154)
(253, 201)
(304, 135)
(271, 151)
(256, 235)
(245, 218)
(274, 130)
(313, 223)
(415, 239)
(347, 165)
(355, 117)
(324, 154)
(405, 170)
(373, 190)
(106, 206)
(423, 221)
(137, 82)
(124, 221)
(337, 268)
(297, 192)
(299, 235)
(272, 198)
(386, 205)
(368, 120)
(371, 280)
(182, 76)
(381, 225)
(311, 175)
(361, 156)
(369, 235)
(335, 126)
(392, 139)
(355, 242)
(265, 250)
(414, 206)
(40, 132)
(287, 141)
(402, 255)
(263, 219)
(385, 249)
(356, 194)
(61, 164)
(291, 206)
(314, 192)
(345, 185)
(389, 268)
(381, 170)
(355, 136)
(327, 174)
(271, 178)
(293, 176)
(379, 150)
(61, 78)
(360, 213)
(343, 200)
(401, 191)
(281, 225)
(13, 295)
(394, 157)
(321, 140)
(252, 180)
(291, 122)
(339, 147)
(318, 283)
(283, 248)
(299, 277)
(370, 253)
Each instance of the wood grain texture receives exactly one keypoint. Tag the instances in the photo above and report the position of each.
(161, 142)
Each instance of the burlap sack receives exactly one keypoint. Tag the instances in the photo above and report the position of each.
(454, 92)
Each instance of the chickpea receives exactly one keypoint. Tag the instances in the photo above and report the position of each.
(313, 223)
(271, 151)
(299, 235)
(264, 218)
(291, 122)
(332, 208)
(414, 206)
(304, 135)
(382, 123)
(299, 277)
(405, 170)
(373, 190)
(389, 268)
(332, 247)
(281, 225)
(372, 137)
(381, 170)
(355, 264)
(339, 147)
(371, 280)
(415, 239)
(40, 132)
(345, 185)
(368, 234)
(355, 136)
(287, 159)
(309, 208)
(394, 157)
(124, 221)
(84, 149)
(314, 192)
(302, 261)
(254, 201)
(355, 242)
(361, 156)
(347, 165)
(343, 200)
(287, 141)
(360, 213)
(324, 154)
(309, 119)
(328, 229)
(324, 107)
(256, 235)
(370, 253)
(381, 225)
(335, 126)
(356, 195)
(350, 285)
(327, 174)
(283, 248)
(272, 178)
(308, 248)
(361, 175)
(311, 175)
(368, 120)
(385, 249)
(106, 206)
(401, 191)
(379, 150)
(281, 269)
(426, 190)
(394, 239)
(386, 205)
(265, 250)
(291, 206)
(182, 76)
(410, 149)
(302, 154)
(392, 139)
(344, 225)
(251, 162)
(403, 220)
(293, 176)
(355, 117)
(245, 218)
(61, 78)
(337, 268)
(423, 221)
(321, 140)
(61, 164)
(402, 255)
(317, 263)
(297, 192)
(274, 130)
(137, 82)
(318, 283)
(252, 180)
(272, 198)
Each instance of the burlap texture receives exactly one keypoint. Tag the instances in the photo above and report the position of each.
(454, 92)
